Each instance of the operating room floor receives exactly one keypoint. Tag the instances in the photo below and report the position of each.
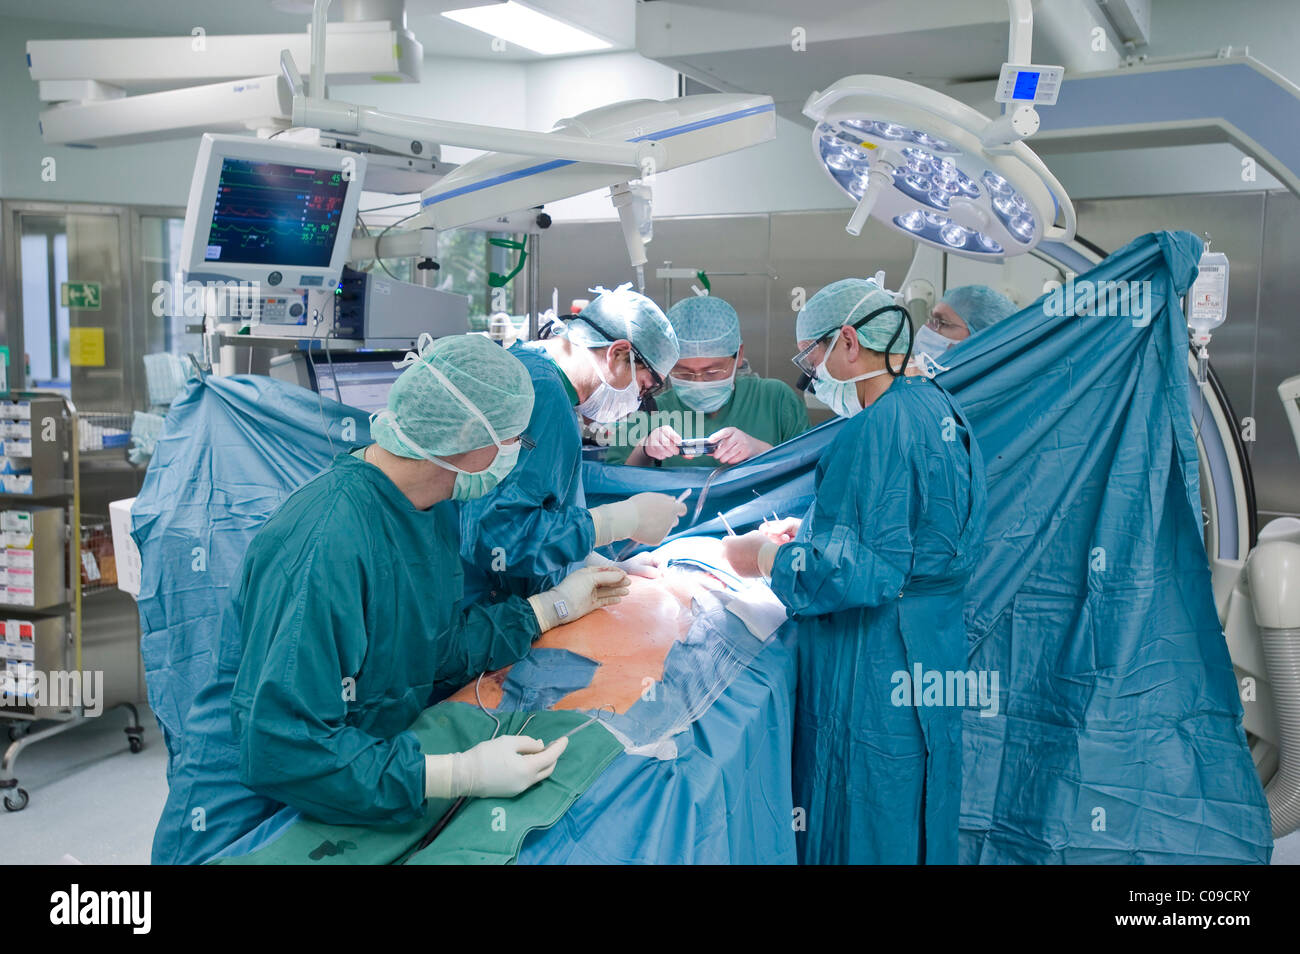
(95, 802)
(91, 799)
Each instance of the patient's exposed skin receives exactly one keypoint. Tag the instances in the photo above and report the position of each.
(630, 639)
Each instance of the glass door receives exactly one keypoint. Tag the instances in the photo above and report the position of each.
(67, 311)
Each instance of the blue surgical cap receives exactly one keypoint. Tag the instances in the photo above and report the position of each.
(430, 414)
(844, 302)
(979, 306)
(622, 313)
(706, 327)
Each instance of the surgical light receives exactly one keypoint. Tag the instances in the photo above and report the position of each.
(526, 27)
(916, 160)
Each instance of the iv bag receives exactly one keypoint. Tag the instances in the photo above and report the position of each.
(1207, 299)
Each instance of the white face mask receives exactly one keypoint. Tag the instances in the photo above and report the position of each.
(929, 341)
(840, 396)
(706, 396)
(607, 403)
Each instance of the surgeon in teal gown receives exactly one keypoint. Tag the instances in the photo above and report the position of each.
(875, 574)
(536, 525)
(345, 624)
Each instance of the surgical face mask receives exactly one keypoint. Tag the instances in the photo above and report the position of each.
(840, 396)
(469, 484)
(929, 341)
(607, 403)
(705, 396)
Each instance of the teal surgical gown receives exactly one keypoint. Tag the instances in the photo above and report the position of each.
(343, 627)
(875, 578)
(534, 528)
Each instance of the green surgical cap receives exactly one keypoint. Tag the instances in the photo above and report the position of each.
(429, 414)
(622, 313)
(979, 306)
(706, 327)
(844, 302)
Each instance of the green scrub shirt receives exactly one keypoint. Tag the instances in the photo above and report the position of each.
(765, 408)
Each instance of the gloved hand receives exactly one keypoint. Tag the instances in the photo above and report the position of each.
(645, 518)
(734, 445)
(497, 768)
(750, 554)
(578, 594)
(783, 530)
(643, 564)
(661, 443)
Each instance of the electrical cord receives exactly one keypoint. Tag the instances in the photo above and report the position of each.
(320, 402)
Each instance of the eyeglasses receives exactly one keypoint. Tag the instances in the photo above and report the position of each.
(658, 385)
(713, 374)
(939, 323)
(803, 360)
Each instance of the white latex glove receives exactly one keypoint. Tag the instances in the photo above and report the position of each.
(781, 531)
(645, 518)
(734, 445)
(578, 594)
(750, 554)
(643, 564)
(497, 768)
(662, 443)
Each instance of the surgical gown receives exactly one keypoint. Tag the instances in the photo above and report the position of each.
(876, 578)
(534, 528)
(344, 626)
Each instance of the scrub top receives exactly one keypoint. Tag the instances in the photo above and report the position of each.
(765, 408)
(344, 626)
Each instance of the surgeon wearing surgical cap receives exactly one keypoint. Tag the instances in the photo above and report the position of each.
(536, 526)
(741, 415)
(874, 574)
(963, 312)
(346, 622)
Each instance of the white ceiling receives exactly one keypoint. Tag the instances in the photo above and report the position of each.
(613, 20)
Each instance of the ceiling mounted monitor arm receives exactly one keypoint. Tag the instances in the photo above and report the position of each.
(312, 109)
(352, 120)
(1021, 85)
(318, 19)
(1020, 45)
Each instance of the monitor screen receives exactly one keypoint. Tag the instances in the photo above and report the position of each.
(361, 384)
(271, 213)
(1026, 85)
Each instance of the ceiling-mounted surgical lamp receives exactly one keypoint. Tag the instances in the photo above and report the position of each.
(939, 171)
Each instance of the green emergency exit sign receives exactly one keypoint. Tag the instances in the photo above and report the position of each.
(83, 295)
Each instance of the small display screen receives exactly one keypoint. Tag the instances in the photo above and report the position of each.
(1026, 85)
(360, 384)
(269, 213)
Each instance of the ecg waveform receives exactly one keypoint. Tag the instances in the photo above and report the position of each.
(268, 213)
